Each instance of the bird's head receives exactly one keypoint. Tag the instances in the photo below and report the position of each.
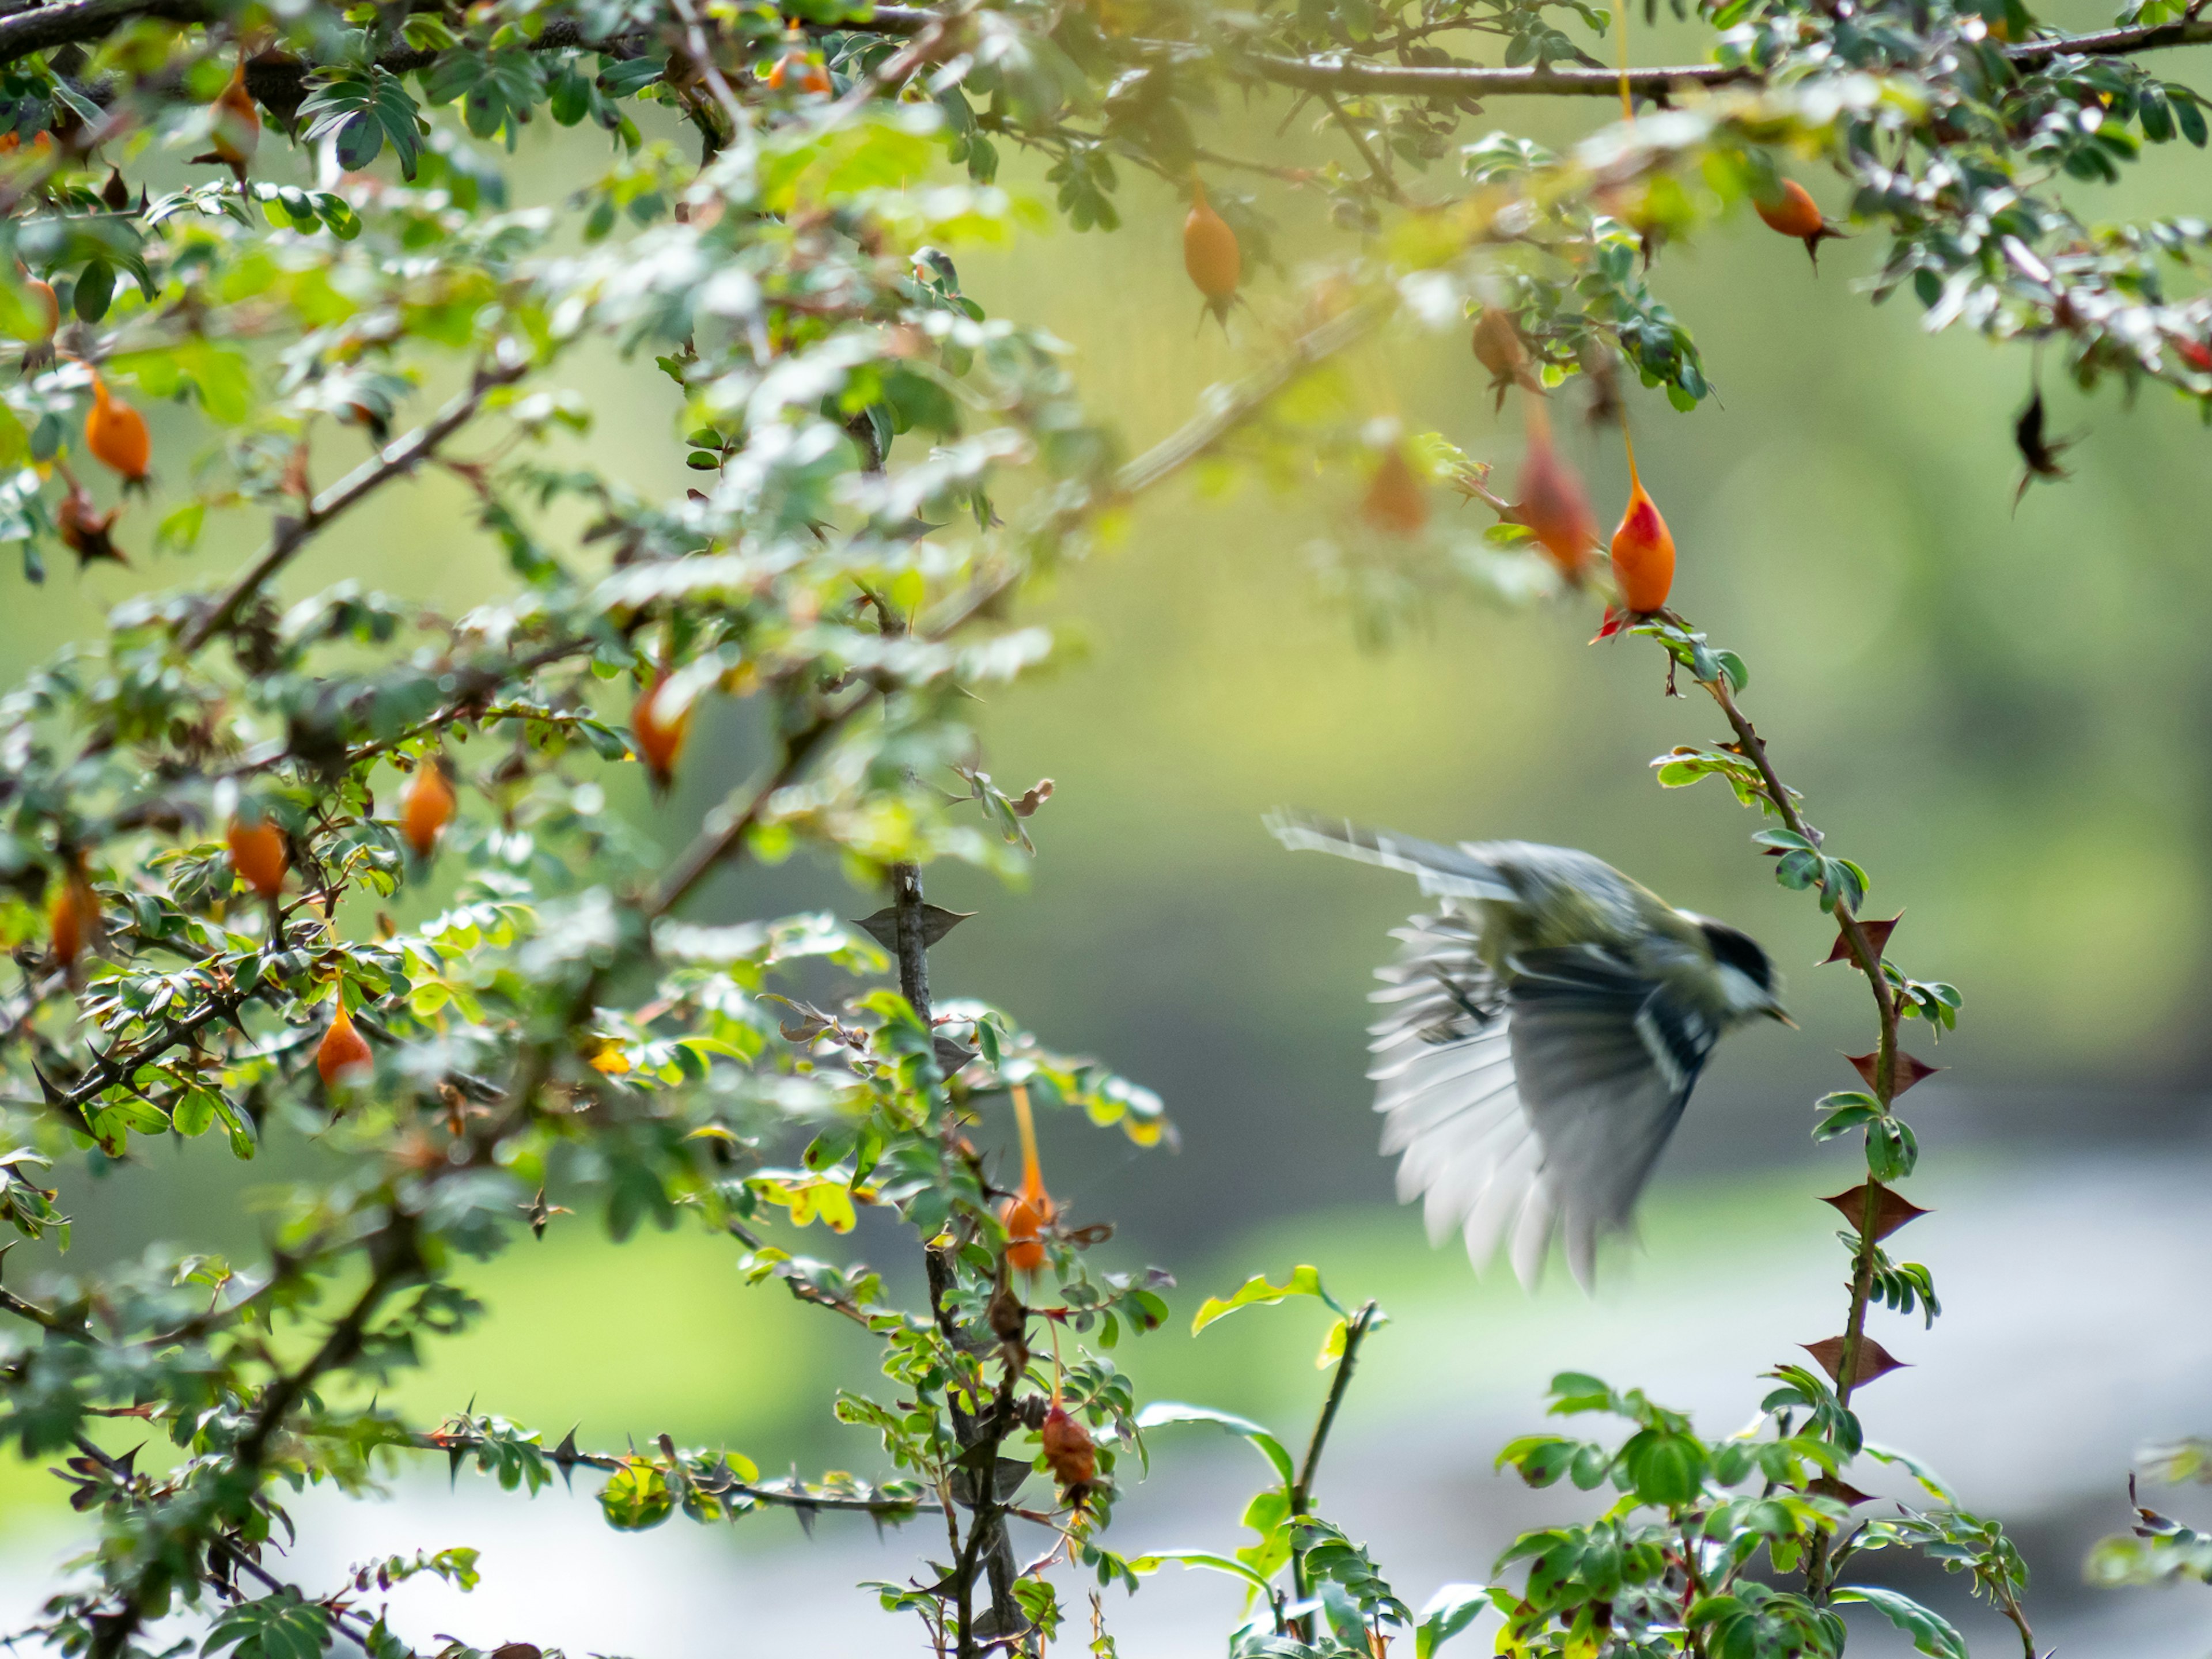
(1748, 978)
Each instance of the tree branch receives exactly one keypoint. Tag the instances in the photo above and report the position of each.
(398, 1260)
(387, 464)
(1245, 399)
(45, 1318)
(1334, 74)
(358, 1630)
(279, 82)
(790, 1494)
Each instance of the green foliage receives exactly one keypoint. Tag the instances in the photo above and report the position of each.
(1257, 1292)
(278, 1626)
(879, 473)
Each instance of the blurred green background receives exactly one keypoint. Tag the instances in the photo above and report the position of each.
(2000, 715)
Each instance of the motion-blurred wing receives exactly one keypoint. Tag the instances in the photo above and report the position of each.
(1443, 1074)
(1604, 1060)
(1443, 871)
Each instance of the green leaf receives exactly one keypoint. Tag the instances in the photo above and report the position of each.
(1667, 1470)
(1153, 1560)
(279, 1627)
(194, 1113)
(1892, 1151)
(1162, 1412)
(1541, 1459)
(1930, 1632)
(1256, 1291)
(1449, 1612)
(636, 1497)
(1933, 1482)
(95, 288)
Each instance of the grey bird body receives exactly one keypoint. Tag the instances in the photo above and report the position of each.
(1546, 1025)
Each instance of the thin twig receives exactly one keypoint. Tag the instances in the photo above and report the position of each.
(1197, 438)
(791, 1494)
(1376, 170)
(387, 464)
(1355, 1332)
(45, 1318)
(1301, 1492)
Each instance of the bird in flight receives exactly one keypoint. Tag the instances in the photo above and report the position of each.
(1546, 1024)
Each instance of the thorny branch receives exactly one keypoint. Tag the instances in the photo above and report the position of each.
(981, 1432)
(357, 1628)
(1867, 958)
(1866, 955)
(789, 1494)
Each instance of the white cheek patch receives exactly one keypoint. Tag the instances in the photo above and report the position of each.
(1743, 992)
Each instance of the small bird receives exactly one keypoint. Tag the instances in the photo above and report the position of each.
(1546, 1023)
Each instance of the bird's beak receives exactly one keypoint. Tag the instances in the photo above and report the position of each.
(1777, 1012)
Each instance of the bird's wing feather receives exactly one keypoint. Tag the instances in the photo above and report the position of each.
(1444, 1071)
(1443, 871)
(1604, 1060)
(1556, 881)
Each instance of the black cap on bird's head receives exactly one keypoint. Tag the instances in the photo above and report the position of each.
(1734, 948)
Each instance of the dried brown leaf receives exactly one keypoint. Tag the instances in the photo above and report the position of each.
(1908, 1070)
(1895, 1211)
(1875, 1361)
(1877, 934)
(1828, 1486)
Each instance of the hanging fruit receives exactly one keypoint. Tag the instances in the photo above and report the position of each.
(344, 1054)
(117, 437)
(1552, 504)
(1030, 1212)
(798, 68)
(1642, 550)
(1395, 502)
(1068, 1450)
(1210, 255)
(1790, 210)
(426, 804)
(1499, 348)
(256, 853)
(72, 917)
(237, 130)
(657, 731)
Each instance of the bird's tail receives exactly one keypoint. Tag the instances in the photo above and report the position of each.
(1445, 872)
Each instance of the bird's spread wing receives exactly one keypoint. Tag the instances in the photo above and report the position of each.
(1515, 1110)
(1443, 871)
(1443, 1074)
(1604, 1060)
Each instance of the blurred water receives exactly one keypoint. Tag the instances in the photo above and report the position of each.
(2070, 1336)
